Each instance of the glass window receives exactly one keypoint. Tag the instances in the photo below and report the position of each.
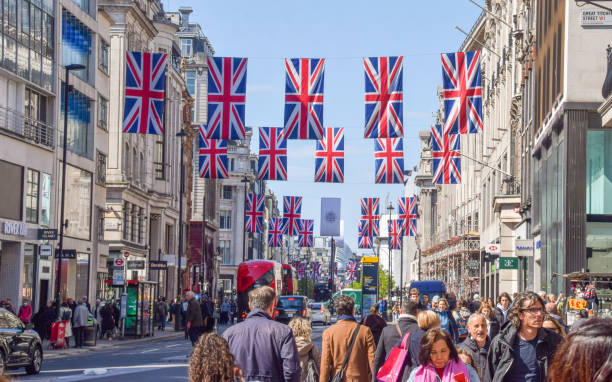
(47, 38)
(227, 192)
(141, 225)
(126, 220)
(599, 172)
(81, 287)
(190, 79)
(224, 245)
(25, 23)
(103, 112)
(100, 168)
(158, 162)
(83, 4)
(32, 190)
(101, 219)
(78, 206)
(76, 44)
(45, 199)
(9, 59)
(104, 51)
(226, 219)
(186, 47)
(27, 277)
(79, 123)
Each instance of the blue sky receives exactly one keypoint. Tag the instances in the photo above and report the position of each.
(343, 32)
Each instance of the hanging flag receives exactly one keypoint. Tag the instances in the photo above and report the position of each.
(383, 97)
(145, 82)
(292, 211)
(462, 92)
(364, 241)
(412, 217)
(305, 232)
(351, 269)
(226, 97)
(304, 98)
(403, 209)
(396, 232)
(369, 213)
(300, 270)
(329, 156)
(272, 154)
(254, 210)
(315, 272)
(446, 156)
(275, 232)
(212, 157)
(389, 160)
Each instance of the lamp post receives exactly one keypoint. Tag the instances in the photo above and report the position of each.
(390, 209)
(67, 89)
(181, 134)
(246, 182)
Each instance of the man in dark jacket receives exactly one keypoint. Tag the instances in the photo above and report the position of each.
(502, 308)
(264, 349)
(523, 350)
(407, 323)
(477, 343)
(193, 317)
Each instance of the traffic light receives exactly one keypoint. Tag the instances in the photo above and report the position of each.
(329, 285)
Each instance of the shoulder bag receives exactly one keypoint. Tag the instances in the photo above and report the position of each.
(393, 368)
(340, 375)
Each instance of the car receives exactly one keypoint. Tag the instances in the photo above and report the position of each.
(19, 347)
(288, 307)
(320, 313)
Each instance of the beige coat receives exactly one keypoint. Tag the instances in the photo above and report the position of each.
(336, 341)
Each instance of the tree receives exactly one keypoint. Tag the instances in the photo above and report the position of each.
(383, 281)
(354, 285)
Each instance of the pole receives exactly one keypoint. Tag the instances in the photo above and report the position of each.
(389, 252)
(332, 261)
(244, 246)
(203, 237)
(401, 287)
(180, 243)
(63, 200)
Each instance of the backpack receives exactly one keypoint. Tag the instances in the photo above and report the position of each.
(66, 315)
(312, 369)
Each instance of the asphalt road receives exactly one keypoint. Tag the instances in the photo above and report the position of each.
(164, 360)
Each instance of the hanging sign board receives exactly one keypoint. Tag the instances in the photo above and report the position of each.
(493, 249)
(508, 263)
(158, 265)
(136, 264)
(523, 248)
(576, 304)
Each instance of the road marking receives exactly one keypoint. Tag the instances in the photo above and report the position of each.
(149, 351)
(171, 346)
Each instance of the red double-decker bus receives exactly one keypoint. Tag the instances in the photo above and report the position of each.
(290, 286)
(254, 274)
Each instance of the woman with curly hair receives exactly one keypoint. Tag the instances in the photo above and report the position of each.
(310, 356)
(211, 361)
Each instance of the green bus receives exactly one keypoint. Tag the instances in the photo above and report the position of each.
(355, 294)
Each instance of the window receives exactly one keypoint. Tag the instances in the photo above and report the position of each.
(186, 47)
(32, 189)
(158, 162)
(76, 44)
(126, 161)
(224, 246)
(100, 223)
(45, 199)
(83, 4)
(227, 192)
(100, 168)
(126, 220)
(135, 172)
(140, 224)
(599, 172)
(135, 223)
(78, 197)
(11, 196)
(27, 277)
(142, 169)
(103, 112)
(190, 79)
(80, 136)
(104, 50)
(226, 219)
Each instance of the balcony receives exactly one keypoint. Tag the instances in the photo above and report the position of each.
(26, 128)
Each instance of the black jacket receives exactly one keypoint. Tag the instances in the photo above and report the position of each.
(265, 350)
(389, 338)
(499, 316)
(479, 354)
(500, 356)
(494, 327)
(194, 314)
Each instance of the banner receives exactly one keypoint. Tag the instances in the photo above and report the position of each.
(330, 216)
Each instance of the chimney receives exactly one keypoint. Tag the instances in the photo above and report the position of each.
(185, 11)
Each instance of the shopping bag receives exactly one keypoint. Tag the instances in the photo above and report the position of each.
(393, 368)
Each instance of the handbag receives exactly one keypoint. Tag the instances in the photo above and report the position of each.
(393, 368)
(340, 375)
(312, 369)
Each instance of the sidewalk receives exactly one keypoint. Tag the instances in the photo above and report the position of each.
(106, 344)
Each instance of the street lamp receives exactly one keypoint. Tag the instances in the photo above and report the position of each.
(181, 134)
(246, 182)
(67, 89)
(390, 209)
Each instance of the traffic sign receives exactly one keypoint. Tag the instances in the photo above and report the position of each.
(119, 262)
(45, 251)
(126, 254)
(508, 263)
(493, 249)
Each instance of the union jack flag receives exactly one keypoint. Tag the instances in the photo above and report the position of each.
(292, 211)
(272, 163)
(383, 97)
(305, 232)
(408, 214)
(389, 160)
(329, 156)
(462, 92)
(145, 83)
(275, 232)
(446, 157)
(304, 98)
(315, 271)
(370, 216)
(300, 267)
(226, 97)
(213, 157)
(396, 232)
(364, 241)
(351, 269)
(254, 210)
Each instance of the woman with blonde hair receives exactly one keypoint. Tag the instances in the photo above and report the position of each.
(309, 354)
(426, 319)
(212, 361)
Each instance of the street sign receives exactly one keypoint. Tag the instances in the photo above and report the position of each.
(523, 248)
(493, 249)
(126, 254)
(45, 251)
(158, 265)
(118, 262)
(66, 253)
(47, 234)
(118, 277)
(136, 264)
(508, 263)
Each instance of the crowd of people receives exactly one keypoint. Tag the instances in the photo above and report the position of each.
(520, 338)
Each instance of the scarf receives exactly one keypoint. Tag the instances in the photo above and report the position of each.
(452, 368)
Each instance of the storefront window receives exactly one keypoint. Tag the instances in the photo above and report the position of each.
(599, 172)
(27, 277)
(78, 202)
(45, 199)
(81, 287)
(599, 247)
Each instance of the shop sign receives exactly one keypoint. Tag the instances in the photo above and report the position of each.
(589, 18)
(66, 253)
(45, 251)
(14, 228)
(118, 262)
(493, 249)
(524, 248)
(508, 263)
(158, 265)
(576, 304)
(47, 234)
(136, 264)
